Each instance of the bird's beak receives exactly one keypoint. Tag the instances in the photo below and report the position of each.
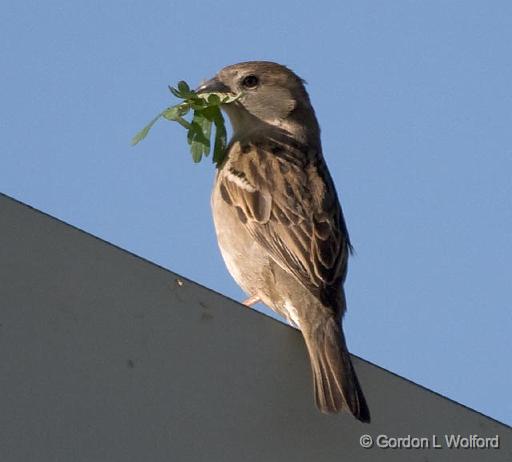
(213, 86)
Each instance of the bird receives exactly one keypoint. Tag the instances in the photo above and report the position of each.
(278, 220)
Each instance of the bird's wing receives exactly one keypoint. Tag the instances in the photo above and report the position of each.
(291, 209)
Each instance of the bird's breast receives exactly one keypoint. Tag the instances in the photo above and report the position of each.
(244, 258)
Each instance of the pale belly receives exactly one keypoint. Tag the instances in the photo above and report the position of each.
(253, 268)
(245, 259)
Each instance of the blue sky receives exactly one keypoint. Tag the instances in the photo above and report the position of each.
(415, 104)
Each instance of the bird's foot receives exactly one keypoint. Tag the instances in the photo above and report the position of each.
(251, 300)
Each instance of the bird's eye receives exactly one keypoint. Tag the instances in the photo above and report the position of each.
(250, 81)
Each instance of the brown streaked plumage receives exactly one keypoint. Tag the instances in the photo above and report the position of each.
(279, 223)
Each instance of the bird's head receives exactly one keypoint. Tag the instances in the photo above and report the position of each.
(271, 95)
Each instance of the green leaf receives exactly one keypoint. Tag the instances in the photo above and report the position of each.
(213, 99)
(197, 151)
(183, 87)
(219, 148)
(144, 132)
(172, 113)
(199, 136)
(198, 103)
(195, 132)
(174, 91)
(210, 112)
(207, 131)
(183, 91)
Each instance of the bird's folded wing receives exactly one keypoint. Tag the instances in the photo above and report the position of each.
(291, 210)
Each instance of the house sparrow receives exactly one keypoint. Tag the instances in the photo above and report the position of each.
(279, 223)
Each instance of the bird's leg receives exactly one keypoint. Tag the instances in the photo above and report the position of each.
(251, 300)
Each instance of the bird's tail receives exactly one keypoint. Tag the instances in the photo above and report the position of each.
(335, 381)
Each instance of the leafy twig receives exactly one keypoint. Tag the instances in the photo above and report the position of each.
(206, 112)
